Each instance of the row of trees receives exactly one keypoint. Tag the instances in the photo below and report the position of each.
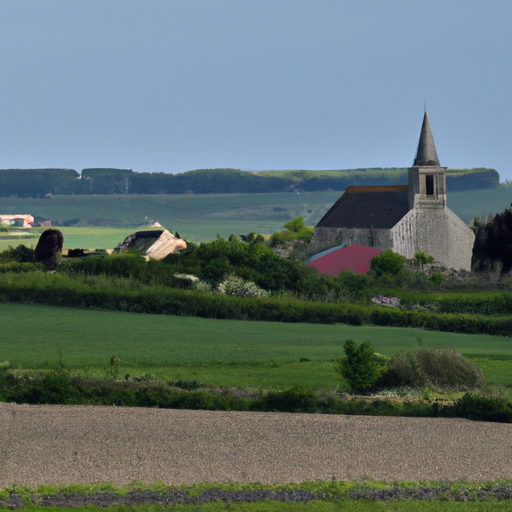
(41, 182)
(493, 242)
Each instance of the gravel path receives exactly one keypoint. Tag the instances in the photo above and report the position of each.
(47, 445)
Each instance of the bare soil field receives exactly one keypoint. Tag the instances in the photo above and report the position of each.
(50, 445)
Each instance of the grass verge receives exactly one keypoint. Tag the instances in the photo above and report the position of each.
(306, 496)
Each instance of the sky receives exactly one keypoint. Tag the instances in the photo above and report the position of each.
(175, 85)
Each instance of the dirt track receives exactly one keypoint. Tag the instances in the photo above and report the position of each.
(46, 445)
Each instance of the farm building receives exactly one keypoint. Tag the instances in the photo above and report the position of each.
(406, 219)
(154, 243)
(23, 220)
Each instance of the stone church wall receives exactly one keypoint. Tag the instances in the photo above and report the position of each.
(436, 232)
(325, 238)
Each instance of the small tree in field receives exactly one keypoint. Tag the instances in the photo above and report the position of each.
(360, 366)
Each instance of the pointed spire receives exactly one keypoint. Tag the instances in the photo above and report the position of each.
(426, 154)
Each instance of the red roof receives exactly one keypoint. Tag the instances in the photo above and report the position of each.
(355, 257)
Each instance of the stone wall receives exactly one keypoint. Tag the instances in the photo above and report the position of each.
(436, 232)
(325, 238)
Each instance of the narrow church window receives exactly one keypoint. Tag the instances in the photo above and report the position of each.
(429, 178)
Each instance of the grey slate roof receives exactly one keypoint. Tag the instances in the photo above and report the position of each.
(426, 153)
(367, 207)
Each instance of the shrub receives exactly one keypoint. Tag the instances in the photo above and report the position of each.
(360, 367)
(52, 388)
(295, 230)
(387, 262)
(23, 254)
(234, 285)
(483, 408)
(440, 368)
(356, 286)
(402, 371)
(420, 258)
(448, 369)
(436, 278)
(20, 254)
(296, 399)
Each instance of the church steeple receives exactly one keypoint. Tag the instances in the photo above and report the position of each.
(427, 179)
(426, 153)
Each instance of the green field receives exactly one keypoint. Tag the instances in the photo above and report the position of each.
(85, 238)
(214, 352)
(204, 217)
(196, 217)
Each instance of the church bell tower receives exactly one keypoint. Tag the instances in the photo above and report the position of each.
(427, 179)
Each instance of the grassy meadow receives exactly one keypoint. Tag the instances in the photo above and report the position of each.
(196, 217)
(214, 352)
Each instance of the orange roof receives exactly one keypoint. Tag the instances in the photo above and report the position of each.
(383, 188)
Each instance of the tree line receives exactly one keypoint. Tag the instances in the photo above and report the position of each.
(46, 182)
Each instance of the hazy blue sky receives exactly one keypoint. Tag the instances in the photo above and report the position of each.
(170, 86)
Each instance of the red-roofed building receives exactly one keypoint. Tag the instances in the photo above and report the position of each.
(355, 257)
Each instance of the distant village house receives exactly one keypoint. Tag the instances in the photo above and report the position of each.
(154, 243)
(24, 221)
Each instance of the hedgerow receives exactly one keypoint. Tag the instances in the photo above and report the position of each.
(60, 388)
(60, 290)
(131, 296)
(447, 322)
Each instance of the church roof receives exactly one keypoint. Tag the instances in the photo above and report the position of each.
(367, 207)
(426, 154)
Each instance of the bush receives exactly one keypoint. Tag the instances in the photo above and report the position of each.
(436, 278)
(23, 254)
(445, 368)
(20, 254)
(52, 388)
(387, 262)
(295, 230)
(355, 286)
(296, 399)
(360, 367)
(234, 285)
(440, 368)
(402, 371)
(420, 258)
(483, 408)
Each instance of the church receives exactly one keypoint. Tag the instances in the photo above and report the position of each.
(405, 219)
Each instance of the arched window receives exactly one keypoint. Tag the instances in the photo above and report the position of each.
(429, 181)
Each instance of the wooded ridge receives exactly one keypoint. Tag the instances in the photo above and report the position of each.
(42, 182)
